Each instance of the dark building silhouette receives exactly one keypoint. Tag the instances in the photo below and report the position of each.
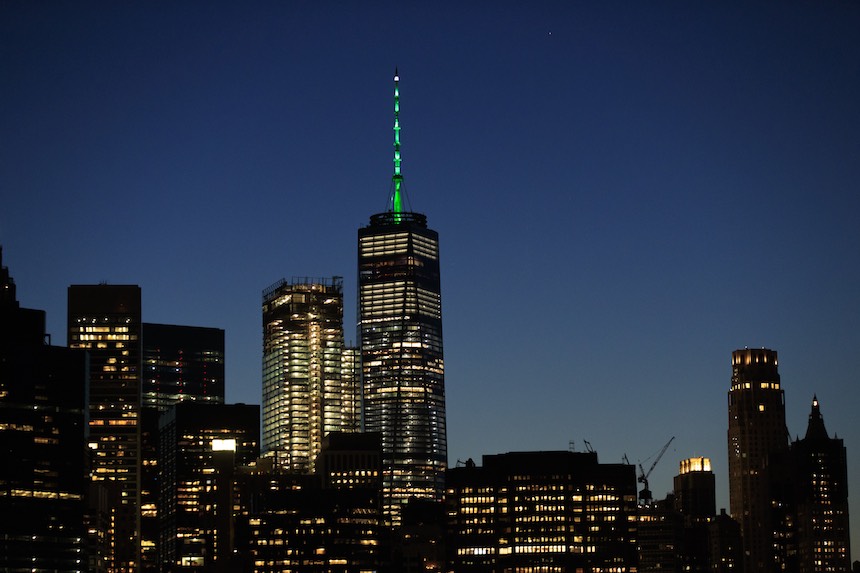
(541, 511)
(660, 537)
(726, 553)
(42, 443)
(821, 498)
(200, 445)
(400, 316)
(418, 544)
(757, 434)
(328, 522)
(105, 320)
(180, 363)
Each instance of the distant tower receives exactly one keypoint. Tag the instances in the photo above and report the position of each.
(304, 397)
(695, 500)
(821, 482)
(756, 432)
(106, 321)
(400, 316)
(695, 490)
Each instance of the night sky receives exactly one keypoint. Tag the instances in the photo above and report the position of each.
(625, 192)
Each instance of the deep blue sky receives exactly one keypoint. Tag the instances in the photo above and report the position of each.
(625, 192)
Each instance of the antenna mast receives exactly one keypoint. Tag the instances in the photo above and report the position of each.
(397, 179)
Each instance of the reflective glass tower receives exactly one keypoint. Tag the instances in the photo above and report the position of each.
(305, 393)
(400, 321)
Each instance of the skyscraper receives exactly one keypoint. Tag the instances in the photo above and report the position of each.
(105, 320)
(201, 444)
(400, 316)
(180, 364)
(304, 395)
(821, 498)
(756, 435)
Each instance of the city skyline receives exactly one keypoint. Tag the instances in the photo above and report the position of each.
(624, 195)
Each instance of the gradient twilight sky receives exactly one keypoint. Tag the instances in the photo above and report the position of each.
(625, 192)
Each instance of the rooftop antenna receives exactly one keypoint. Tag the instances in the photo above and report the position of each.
(396, 202)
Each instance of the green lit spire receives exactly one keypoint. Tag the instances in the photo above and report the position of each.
(397, 179)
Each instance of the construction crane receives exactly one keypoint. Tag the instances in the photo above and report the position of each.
(645, 495)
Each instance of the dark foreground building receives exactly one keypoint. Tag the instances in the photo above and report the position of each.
(42, 443)
(541, 511)
(200, 446)
(327, 522)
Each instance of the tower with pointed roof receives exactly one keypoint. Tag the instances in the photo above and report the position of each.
(821, 498)
(400, 327)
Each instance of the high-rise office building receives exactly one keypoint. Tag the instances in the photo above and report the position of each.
(304, 395)
(105, 320)
(42, 443)
(350, 378)
(400, 316)
(180, 363)
(757, 434)
(200, 447)
(821, 498)
(542, 511)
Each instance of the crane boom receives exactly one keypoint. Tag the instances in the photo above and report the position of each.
(645, 494)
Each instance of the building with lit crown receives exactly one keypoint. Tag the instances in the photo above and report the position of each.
(695, 501)
(400, 321)
(757, 436)
(309, 386)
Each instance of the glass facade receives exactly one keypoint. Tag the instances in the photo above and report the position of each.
(182, 363)
(305, 392)
(403, 381)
